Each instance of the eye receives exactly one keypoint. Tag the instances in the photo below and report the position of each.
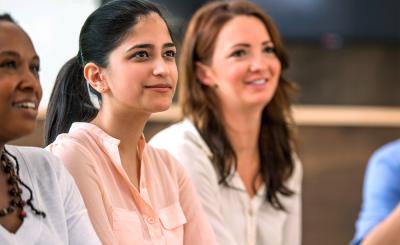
(9, 64)
(170, 53)
(140, 55)
(270, 50)
(35, 69)
(238, 53)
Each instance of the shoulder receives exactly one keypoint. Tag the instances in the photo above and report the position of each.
(71, 146)
(384, 164)
(38, 157)
(388, 154)
(169, 137)
(38, 162)
(184, 143)
(181, 140)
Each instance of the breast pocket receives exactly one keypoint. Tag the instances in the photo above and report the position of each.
(126, 226)
(172, 219)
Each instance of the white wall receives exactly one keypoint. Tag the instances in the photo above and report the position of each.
(54, 27)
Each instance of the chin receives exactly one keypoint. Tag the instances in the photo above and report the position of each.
(160, 107)
(259, 102)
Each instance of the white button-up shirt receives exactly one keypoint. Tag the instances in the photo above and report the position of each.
(236, 218)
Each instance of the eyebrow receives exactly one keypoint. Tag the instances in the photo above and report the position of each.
(10, 53)
(150, 46)
(16, 55)
(246, 45)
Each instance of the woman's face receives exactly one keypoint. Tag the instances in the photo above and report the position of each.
(244, 66)
(20, 90)
(142, 73)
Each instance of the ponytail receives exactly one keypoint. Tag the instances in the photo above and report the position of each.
(69, 101)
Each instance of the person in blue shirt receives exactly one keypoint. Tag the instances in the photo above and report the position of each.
(379, 218)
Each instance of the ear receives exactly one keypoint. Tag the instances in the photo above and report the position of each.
(93, 74)
(204, 74)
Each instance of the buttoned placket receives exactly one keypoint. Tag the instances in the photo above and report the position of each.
(143, 204)
(251, 207)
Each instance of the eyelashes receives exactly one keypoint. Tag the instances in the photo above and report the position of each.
(244, 52)
(35, 69)
(14, 65)
(144, 55)
(270, 50)
(10, 64)
(170, 53)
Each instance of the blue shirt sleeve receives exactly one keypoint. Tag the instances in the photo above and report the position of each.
(381, 192)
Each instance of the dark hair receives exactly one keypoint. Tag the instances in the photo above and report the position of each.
(6, 17)
(200, 104)
(102, 32)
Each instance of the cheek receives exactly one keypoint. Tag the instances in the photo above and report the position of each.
(40, 92)
(276, 66)
(231, 72)
(174, 73)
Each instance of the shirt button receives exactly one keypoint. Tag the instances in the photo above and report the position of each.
(150, 220)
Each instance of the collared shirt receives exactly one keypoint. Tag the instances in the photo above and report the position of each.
(54, 192)
(236, 218)
(381, 194)
(164, 210)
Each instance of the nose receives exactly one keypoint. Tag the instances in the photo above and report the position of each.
(160, 68)
(30, 82)
(258, 63)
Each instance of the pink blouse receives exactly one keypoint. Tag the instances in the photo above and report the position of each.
(165, 209)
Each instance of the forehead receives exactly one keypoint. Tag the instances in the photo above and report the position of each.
(150, 28)
(237, 29)
(13, 38)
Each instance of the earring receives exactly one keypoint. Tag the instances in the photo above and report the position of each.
(215, 86)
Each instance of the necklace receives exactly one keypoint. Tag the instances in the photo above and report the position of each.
(14, 190)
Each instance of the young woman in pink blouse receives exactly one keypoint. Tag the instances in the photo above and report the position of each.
(134, 193)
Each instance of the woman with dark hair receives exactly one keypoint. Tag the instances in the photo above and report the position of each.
(134, 193)
(39, 201)
(236, 139)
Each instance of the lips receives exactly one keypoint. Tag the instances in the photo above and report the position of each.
(160, 85)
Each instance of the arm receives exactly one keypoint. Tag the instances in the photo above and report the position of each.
(292, 228)
(204, 179)
(387, 232)
(381, 192)
(84, 174)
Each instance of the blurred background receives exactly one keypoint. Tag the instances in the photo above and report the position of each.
(345, 57)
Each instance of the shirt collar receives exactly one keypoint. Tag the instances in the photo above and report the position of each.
(108, 143)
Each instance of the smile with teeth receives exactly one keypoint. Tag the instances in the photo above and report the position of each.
(25, 105)
(260, 81)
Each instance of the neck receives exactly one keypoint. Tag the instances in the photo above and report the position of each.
(243, 130)
(127, 128)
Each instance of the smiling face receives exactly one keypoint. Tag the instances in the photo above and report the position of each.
(20, 90)
(142, 73)
(244, 67)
